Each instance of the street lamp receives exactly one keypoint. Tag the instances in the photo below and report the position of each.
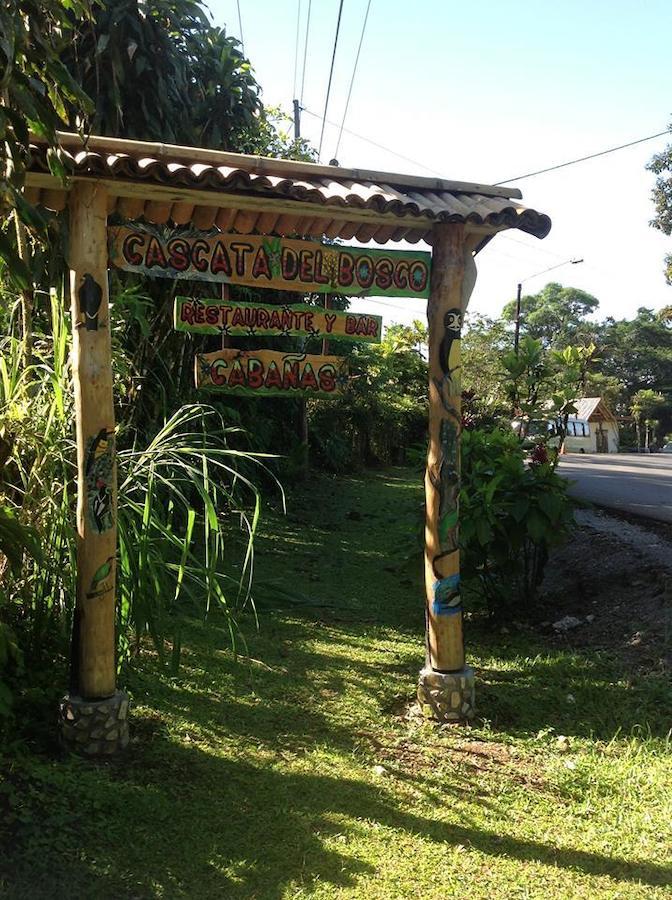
(516, 334)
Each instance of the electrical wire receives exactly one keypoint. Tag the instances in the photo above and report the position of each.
(420, 165)
(240, 27)
(305, 52)
(530, 247)
(331, 73)
(573, 162)
(375, 143)
(352, 80)
(296, 47)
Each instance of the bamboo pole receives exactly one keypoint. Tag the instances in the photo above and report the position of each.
(445, 648)
(27, 295)
(94, 649)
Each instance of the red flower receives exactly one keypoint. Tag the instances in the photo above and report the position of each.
(538, 455)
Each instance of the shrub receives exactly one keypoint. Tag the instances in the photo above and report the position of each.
(511, 514)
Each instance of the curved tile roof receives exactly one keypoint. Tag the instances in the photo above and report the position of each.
(331, 189)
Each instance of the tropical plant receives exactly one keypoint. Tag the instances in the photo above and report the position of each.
(484, 341)
(511, 514)
(543, 385)
(35, 88)
(16, 540)
(385, 410)
(189, 506)
(178, 552)
(158, 70)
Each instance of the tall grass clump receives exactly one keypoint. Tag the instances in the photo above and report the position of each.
(187, 518)
(189, 503)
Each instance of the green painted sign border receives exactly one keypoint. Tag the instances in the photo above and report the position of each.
(299, 310)
(265, 261)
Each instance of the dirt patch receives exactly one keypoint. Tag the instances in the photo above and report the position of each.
(615, 576)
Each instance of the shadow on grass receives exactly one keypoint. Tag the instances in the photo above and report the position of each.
(358, 568)
(207, 827)
(582, 693)
(177, 820)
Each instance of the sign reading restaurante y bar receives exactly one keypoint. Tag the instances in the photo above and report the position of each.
(271, 373)
(268, 320)
(272, 262)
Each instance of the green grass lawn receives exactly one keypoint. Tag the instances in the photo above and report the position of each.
(302, 770)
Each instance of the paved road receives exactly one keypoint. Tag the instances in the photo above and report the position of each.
(636, 483)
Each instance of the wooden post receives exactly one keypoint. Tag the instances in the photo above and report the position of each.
(445, 649)
(94, 650)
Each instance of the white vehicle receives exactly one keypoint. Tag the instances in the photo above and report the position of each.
(577, 439)
(667, 448)
(536, 431)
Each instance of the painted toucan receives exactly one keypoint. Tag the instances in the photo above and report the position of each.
(90, 298)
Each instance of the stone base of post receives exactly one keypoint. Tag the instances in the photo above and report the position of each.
(447, 696)
(94, 728)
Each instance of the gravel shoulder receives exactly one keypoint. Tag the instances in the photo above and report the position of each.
(615, 577)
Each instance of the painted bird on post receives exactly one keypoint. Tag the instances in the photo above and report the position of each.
(90, 298)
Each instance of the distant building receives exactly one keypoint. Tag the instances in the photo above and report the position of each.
(594, 428)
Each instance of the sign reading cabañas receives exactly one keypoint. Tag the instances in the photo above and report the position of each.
(271, 373)
(272, 262)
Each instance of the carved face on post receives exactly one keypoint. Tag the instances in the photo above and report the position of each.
(90, 298)
(449, 352)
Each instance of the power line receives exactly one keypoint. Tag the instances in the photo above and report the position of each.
(584, 158)
(420, 165)
(240, 27)
(375, 144)
(331, 72)
(296, 46)
(531, 247)
(352, 80)
(305, 50)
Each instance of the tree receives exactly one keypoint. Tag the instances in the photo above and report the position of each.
(661, 165)
(484, 340)
(385, 410)
(157, 70)
(646, 406)
(35, 88)
(556, 315)
(638, 354)
(544, 385)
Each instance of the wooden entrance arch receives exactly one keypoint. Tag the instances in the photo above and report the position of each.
(248, 195)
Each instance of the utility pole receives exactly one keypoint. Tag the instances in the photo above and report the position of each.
(303, 409)
(516, 333)
(297, 120)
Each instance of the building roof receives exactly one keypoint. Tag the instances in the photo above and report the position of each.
(179, 185)
(590, 406)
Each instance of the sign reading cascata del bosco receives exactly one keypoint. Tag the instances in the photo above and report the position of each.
(269, 320)
(271, 372)
(272, 262)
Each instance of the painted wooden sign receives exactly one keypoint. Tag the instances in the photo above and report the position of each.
(269, 320)
(268, 373)
(272, 262)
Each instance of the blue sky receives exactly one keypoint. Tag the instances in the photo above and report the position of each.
(485, 92)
